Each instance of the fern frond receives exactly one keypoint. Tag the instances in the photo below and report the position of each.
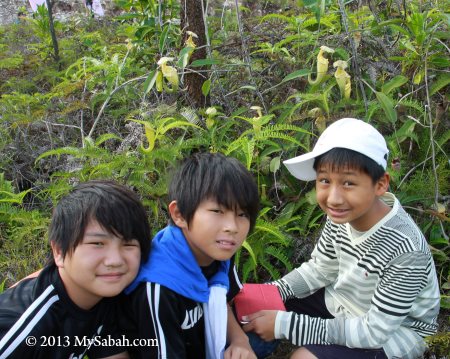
(268, 228)
(136, 176)
(250, 251)
(414, 104)
(441, 81)
(309, 22)
(10, 197)
(105, 137)
(190, 115)
(373, 107)
(247, 268)
(194, 143)
(273, 272)
(287, 127)
(73, 151)
(444, 138)
(233, 146)
(264, 135)
(281, 256)
(289, 19)
(307, 212)
(249, 151)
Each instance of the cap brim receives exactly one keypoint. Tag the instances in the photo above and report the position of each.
(302, 167)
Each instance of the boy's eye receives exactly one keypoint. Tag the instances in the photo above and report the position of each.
(243, 214)
(133, 243)
(216, 210)
(96, 244)
(322, 180)
(348, 183)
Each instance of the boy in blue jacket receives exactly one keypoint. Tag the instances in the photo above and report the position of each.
(180, 295)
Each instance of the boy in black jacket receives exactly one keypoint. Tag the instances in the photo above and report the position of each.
(99, 233)
(182, 292)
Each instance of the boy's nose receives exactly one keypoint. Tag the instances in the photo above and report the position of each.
(113, 257)
(335, 196)
(230, 224)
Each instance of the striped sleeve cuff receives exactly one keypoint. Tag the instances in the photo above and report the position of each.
(282, 322)
(300, 329)
(284, 289)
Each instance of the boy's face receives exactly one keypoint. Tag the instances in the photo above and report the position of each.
(102, 265)
(349, 195)
(215, 232)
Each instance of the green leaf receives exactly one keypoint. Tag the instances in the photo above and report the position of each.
(206, 87)
(388, 108)
(443, 35)
(296, 74)
(439, 61)
(408, 44)
(439, 241)
(405, 132)
(275, 164)
(162, 39)
(204, 62)
(400, 29)
(183, 56)
(150, 81)
(397, 81)
(439, 256)
(249, 249)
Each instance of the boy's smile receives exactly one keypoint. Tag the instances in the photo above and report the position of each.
(215, 232)
(350, 196)
(102, 265)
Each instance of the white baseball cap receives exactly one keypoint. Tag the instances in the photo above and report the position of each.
(347, 133)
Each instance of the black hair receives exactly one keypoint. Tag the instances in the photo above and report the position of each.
(339, 158)
(115, 207)
(214, 176)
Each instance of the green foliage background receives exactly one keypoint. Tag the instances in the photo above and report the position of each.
(106, 111)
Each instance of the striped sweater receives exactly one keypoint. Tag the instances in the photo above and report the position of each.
(381, 287)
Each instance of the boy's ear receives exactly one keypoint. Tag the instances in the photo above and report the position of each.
(57, 255)
(382, 184)
(176, 216)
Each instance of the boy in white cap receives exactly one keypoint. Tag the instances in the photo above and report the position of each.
(370, 289)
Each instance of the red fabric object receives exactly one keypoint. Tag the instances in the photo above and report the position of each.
(255, 297)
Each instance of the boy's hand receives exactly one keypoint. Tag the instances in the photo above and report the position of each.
(262, 323)
(239, 346)
(239, 349)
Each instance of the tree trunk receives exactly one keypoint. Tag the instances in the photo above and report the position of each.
(192, 20)
(52, 32)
